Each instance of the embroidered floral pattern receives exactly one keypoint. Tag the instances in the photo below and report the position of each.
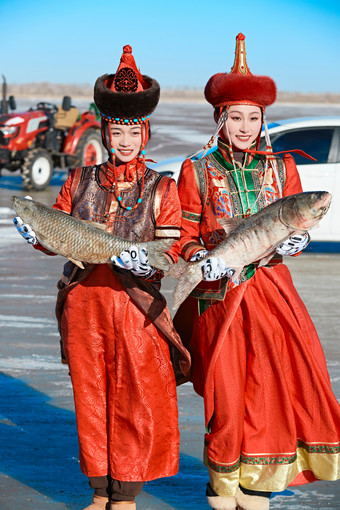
(126, 80)
(224, 469)
(191, 216)
(319, 448)
(289, 459)
(267, 460)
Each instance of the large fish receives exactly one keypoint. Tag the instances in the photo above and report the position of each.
(256, 237)
(79, 240)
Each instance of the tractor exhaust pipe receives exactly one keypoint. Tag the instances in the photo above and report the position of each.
(4, 106)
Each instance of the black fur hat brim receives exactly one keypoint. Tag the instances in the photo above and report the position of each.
(126, 105)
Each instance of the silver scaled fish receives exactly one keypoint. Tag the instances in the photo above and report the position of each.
(79, 240)
(255, 238)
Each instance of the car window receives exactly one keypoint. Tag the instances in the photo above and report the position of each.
(316, 142)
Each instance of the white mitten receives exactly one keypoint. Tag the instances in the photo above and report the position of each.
(135, 260)
(215, 268)
(24, 229)
(294, 244)
(199, 255)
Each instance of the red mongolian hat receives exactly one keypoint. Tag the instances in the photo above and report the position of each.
(127, 94)
(240, 86)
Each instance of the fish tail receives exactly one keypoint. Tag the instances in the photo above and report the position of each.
(186, 283)
(156, 250)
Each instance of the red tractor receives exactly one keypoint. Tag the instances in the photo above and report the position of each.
(46, 136)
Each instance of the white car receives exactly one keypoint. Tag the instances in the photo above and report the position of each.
(320, 138)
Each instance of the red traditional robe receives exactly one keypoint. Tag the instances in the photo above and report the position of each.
(271, 417)
(123, 380)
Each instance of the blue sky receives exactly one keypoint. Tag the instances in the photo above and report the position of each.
(178, 42)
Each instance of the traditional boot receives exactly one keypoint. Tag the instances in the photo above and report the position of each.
(222, 502)
(122, 505)
(247, 502)
(98, 503)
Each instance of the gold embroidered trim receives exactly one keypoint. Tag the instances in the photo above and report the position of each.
(167, 232)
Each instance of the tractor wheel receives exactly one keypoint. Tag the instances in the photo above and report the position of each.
(89, 150)
(37, 170)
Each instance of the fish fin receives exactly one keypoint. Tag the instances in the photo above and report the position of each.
(156, 250)
(235, 277)
(238, 271)
(264, 261)
(229, 224)
(314, 227)
(101, 226)
(77, 263)
(176, 270)
(186, 283)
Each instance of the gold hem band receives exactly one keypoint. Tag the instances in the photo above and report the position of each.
(273, 477)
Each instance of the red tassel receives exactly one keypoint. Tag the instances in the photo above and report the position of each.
(266, 153)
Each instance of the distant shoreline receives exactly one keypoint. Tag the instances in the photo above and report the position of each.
(45, 90)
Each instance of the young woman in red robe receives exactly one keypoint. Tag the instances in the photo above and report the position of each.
(271, 417)
(116, 329)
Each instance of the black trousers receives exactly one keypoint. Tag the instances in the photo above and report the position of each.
(114, 489)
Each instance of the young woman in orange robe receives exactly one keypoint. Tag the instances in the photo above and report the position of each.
(270, 414)
(117, 348)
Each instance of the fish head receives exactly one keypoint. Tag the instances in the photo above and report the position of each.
(24, 207)
(304, 210)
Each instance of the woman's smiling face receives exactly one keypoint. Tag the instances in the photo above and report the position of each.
(244, 124)
(126, 141)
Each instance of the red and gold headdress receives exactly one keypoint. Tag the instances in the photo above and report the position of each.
(240, 86)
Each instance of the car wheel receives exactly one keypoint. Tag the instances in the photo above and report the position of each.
(89, 150)
(37, 170)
